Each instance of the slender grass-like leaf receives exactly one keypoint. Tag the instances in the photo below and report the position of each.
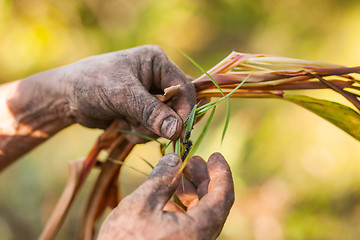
(183, 164)
(139, 135)
(207, 107)
(176, 200)
(178, 147)
(182, 183)
(190, 121)
(240, 84)
(186, 143)
(200, 114)
(164, 147)
(203, 132)
(147, 162)
(202, 70)
(201, 110)
(227, 118)
(125, 165)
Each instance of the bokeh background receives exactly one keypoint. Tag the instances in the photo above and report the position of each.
(296, 175)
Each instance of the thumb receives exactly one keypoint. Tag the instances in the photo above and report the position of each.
(159, 187)
(156, 116)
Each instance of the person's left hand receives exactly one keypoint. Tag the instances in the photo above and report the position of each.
(121, 85)
(148, 213)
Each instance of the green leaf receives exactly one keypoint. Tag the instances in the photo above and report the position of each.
(190, 120)
(178, 147)
(238, 86)
(202, 134)
(139, 135)
(164, 147)
(340, 115)
(208, 106)
(125, 165)
(147, 162)
(227, 118)
(182, 183)
(202, 70)
(201, 110)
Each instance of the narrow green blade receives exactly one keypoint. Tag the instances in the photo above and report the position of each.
(178, 147)
(208, 106)
(190, 120)
(227, 118)
(125, 165)
(202, 134)
(202, 70)
(164, 147)
(238, 86)
(139, 135)
(147, 162)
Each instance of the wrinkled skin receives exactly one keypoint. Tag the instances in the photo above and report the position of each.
(119, 86)
(94, 92)
(148, 213)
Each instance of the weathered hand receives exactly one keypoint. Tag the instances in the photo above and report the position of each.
(120, 85)
(148, 213)
(94, 92)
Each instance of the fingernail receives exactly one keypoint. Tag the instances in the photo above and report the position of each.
(171, 160)
(168, 126)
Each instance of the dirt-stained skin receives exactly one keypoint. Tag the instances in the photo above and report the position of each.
(120, 86)
(148, 213)
(93, 92)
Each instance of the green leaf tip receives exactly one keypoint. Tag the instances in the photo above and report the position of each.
(227, 119)
(202, 70)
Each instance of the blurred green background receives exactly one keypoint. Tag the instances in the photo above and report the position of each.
(296, 175)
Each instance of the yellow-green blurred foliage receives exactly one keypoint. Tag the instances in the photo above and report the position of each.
(296, 175)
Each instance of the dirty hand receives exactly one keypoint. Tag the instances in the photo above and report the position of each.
(120, 85)
(148, 213)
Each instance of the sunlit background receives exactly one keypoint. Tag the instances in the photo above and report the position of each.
(296, 175)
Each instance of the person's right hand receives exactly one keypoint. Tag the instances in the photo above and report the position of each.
(148, 213)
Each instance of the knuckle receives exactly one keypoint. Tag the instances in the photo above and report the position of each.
(157, 55)
(155, 49)
(150, 112)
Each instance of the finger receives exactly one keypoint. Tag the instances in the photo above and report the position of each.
(196, 171)
(185, 100)
(217, 203)
(153, 114)
(92, 122)
(153, 194)
(193, 203)
(171, 75)
(220, 175)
